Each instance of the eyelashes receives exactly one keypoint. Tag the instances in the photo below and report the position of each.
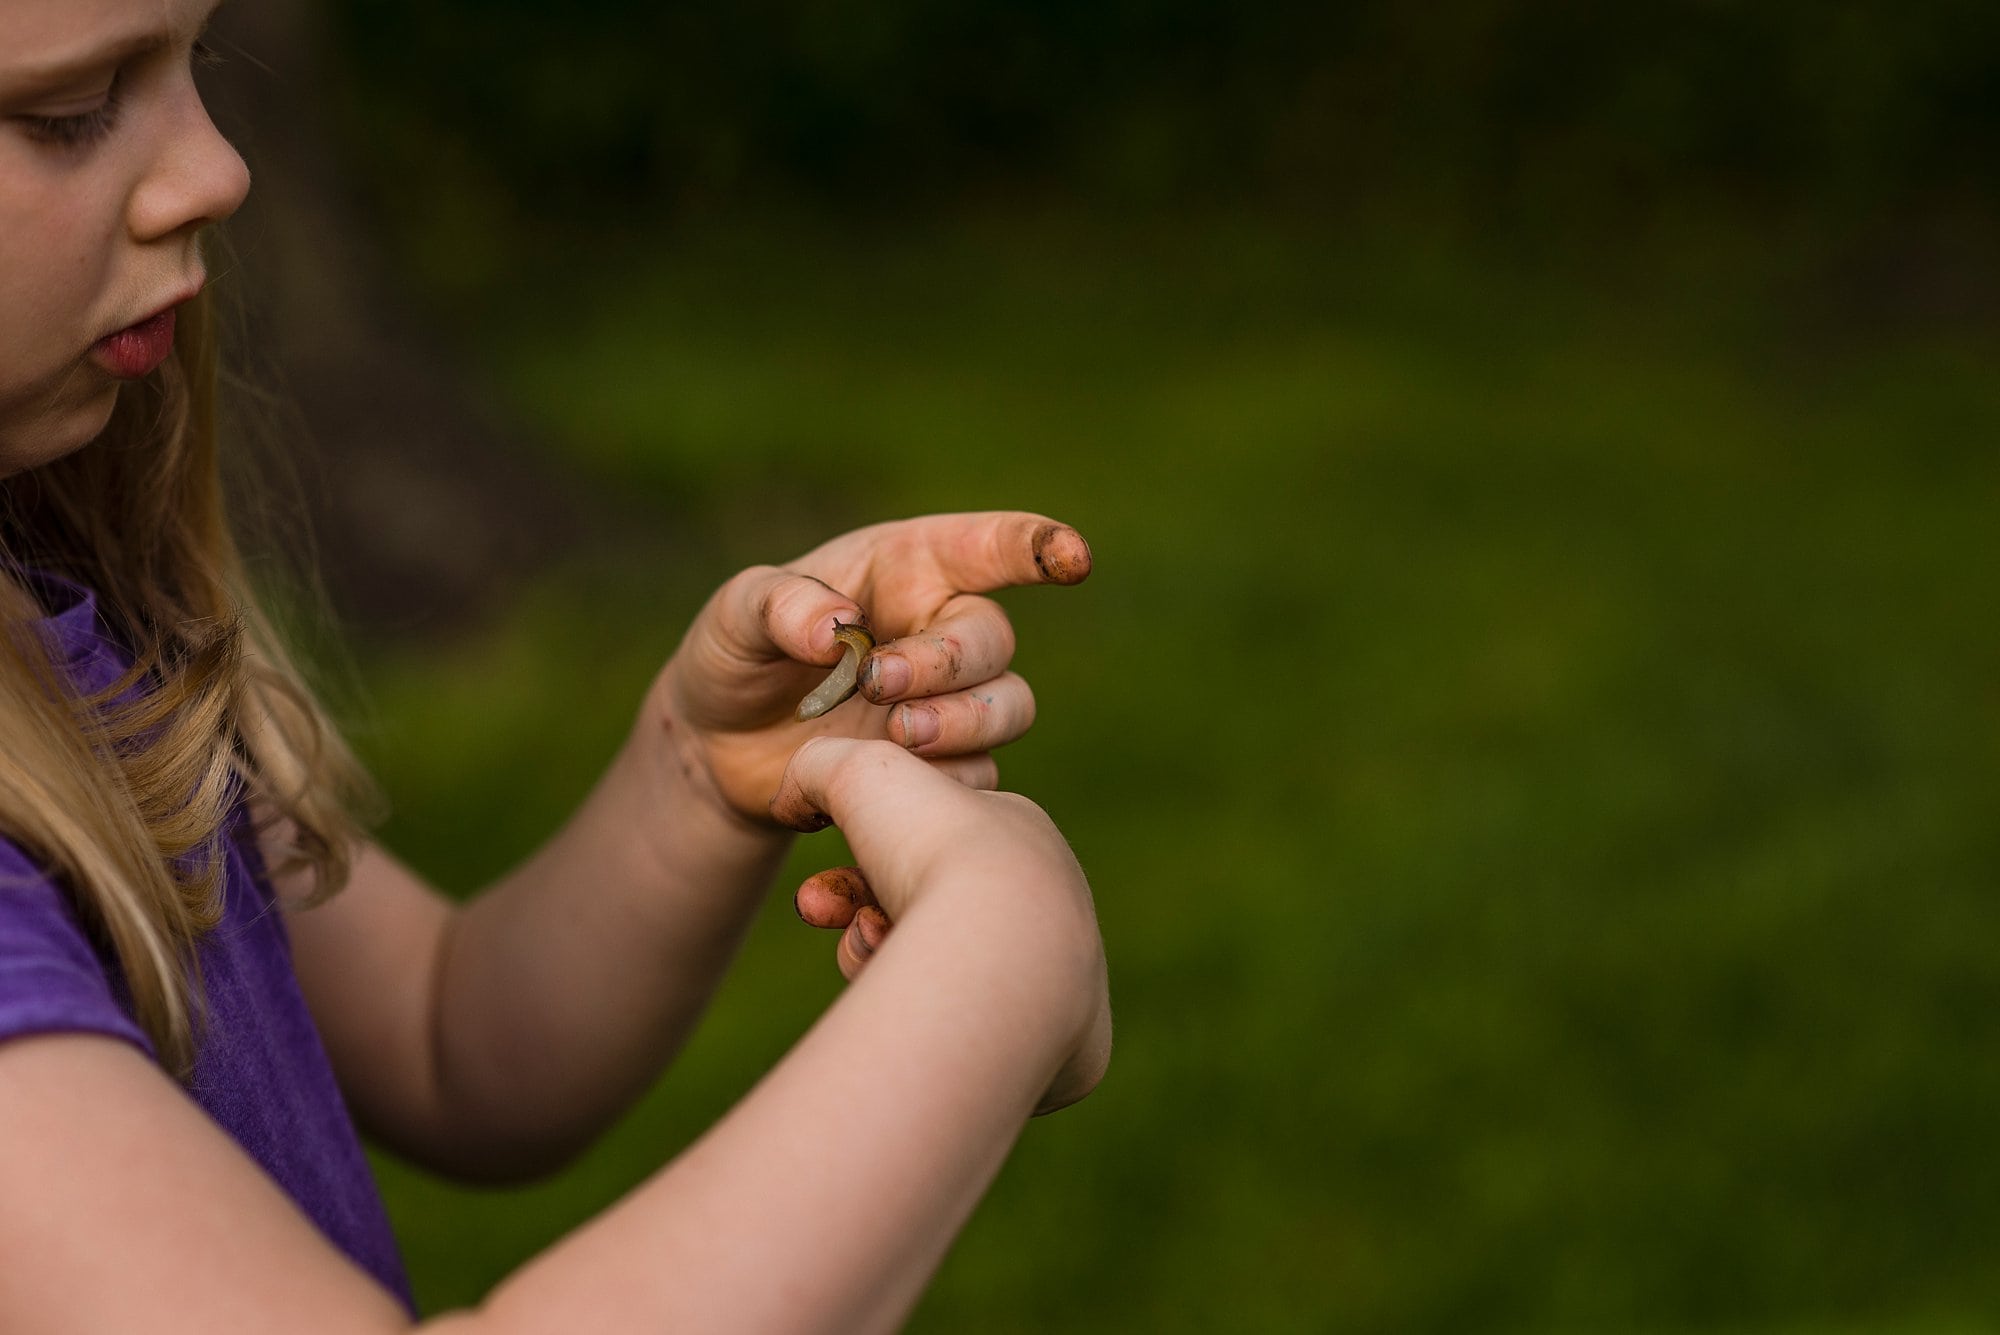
(75, 131)
(87, 128)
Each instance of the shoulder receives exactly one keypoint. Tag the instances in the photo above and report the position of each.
(53, 977)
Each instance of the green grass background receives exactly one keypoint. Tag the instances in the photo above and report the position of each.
(1532, 735)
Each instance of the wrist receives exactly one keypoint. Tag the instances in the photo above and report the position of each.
(1027, 993)
(684, 806)
(1045, 930)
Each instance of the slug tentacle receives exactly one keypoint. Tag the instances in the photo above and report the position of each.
(856, 642)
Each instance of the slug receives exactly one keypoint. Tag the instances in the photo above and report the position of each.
(846, 672)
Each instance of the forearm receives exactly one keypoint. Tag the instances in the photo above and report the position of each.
(561, 991)
(821, 1203)
(929, 1066)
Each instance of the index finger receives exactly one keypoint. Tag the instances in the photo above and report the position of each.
(1000, 549)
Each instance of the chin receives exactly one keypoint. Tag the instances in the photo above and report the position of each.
(31, 439)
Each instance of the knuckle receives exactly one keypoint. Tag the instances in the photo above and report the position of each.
(877, 751)
(752, 576)
(950, 651)
(1004, 708)
(979, 771)
(861, 763)
(1025, 708)
(1001, 540)
(811, 751)
(762, 581)
(995, 628)
(1004, 639)
(1026, 810)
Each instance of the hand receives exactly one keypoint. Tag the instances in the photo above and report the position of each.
(921, 837)
(937, 682)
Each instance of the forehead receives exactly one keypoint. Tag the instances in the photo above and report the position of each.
(41, 37)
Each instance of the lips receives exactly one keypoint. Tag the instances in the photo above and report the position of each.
(137, 350)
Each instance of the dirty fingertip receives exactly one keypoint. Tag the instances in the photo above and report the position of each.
(848, 883)
(1061, 554)
(830, 898)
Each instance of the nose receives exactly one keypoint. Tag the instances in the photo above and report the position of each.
(196, 176)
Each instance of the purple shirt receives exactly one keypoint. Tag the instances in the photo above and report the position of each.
(260, 1070)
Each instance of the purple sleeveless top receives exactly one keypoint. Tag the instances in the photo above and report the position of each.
(260, 1069)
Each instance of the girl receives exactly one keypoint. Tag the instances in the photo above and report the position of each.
(173, 1141)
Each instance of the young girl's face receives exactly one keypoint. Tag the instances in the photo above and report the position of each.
(109, 168)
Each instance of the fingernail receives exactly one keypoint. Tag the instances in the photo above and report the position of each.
(885, 676)
(920, 726)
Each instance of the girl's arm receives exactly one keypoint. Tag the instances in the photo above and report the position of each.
(822, 1202)
(493, 1040)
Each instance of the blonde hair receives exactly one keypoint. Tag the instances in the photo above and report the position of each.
(125, 795)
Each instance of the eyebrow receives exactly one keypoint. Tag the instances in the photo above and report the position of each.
(37, 80)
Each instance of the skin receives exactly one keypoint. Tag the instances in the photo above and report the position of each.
(493, 1039)
(95, 237)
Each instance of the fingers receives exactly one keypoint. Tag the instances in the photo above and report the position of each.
(863, 937)
(1001, 549)
(832, 897)
(979, 771)
(971, 641)
(839, 898)
(1061, 554)
(988, 716)
(766, 613)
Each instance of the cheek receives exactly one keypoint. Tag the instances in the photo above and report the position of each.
(57, 247)
(58, 242)
(58, 238)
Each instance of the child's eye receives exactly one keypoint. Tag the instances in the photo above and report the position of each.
(88, 127)
(75, 131)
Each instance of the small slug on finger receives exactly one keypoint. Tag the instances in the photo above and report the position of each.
(846, 672)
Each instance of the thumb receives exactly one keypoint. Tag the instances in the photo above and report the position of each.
(766, 613)
(830, 780)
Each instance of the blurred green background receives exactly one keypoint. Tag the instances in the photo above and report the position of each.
(1533, 728)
